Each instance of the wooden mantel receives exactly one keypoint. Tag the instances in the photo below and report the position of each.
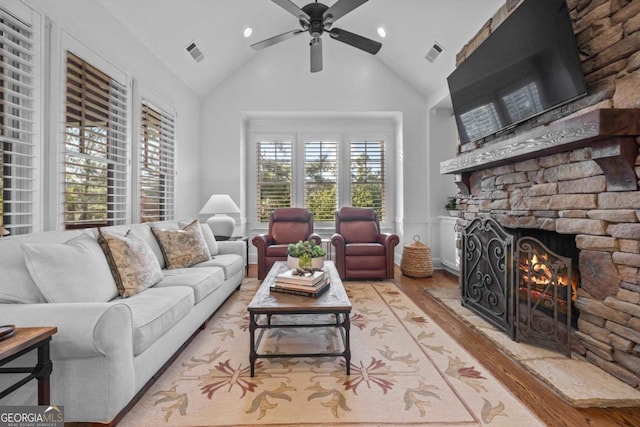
(610, 132)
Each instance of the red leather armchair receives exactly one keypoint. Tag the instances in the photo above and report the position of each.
(361, 251)
(286, 225)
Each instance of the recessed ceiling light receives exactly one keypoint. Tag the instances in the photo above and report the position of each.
(382, 32)
(247, 32)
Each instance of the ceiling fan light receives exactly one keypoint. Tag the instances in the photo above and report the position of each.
(247, 32)
(382, 32)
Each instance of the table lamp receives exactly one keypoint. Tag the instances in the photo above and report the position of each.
(221, 224)
(4, 231)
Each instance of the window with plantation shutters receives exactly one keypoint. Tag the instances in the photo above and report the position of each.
(273, 177)
(156, 165)
(368, 175)
(95, 147)
(18, 71)
(321, 179)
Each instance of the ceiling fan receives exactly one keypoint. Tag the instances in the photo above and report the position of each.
(316, 18)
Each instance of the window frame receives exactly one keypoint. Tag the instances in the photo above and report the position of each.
(23, 14)
(368, 129)
(160, 106)
(68, 42)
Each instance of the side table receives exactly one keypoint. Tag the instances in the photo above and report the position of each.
(245, 239)
(22, 342)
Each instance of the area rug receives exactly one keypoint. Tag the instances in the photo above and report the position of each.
(405, 371)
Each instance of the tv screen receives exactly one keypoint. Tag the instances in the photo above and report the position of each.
(527, 66)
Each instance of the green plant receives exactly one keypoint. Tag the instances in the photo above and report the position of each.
(452, 203)
(308, 248)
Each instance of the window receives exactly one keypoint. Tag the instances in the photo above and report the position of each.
(321, 173)
(18, 111)
(95, 147)
(321, 179)
(274, 177)
(367, 176)
(156, 165)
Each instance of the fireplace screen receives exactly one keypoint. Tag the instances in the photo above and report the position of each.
(543, 306)
(526, 294)
(487, 274)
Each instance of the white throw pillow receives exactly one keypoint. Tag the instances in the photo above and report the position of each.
(210, 239)
(74, 271)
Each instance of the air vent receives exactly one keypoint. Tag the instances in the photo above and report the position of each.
(434, 52)
(195, 52)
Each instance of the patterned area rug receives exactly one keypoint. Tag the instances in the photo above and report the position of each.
(405, 371)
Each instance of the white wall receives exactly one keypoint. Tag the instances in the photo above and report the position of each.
(278, 79)
(442, 146)
(96, 28)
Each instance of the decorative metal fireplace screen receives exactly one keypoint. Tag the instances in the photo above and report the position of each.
(526, 294)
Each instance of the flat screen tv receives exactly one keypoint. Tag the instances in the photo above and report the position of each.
(528, 65)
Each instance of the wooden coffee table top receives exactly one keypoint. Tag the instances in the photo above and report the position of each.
(333, 299)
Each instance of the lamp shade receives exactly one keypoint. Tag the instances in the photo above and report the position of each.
(220, 204)
(222, 225)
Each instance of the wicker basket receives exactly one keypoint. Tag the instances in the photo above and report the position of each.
(416, 259)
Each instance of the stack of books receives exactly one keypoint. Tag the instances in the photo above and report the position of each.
(309, 284)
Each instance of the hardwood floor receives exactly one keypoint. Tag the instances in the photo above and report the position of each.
(540, 399)
(545, 403)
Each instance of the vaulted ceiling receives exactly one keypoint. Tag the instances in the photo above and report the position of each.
(166, 27)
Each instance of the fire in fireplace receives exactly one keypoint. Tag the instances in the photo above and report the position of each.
(528, 291)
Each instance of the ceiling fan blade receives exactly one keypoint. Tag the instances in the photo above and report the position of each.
(340, 8)
(355, 40)
(276, 39)
(316, 54)
(293, 9)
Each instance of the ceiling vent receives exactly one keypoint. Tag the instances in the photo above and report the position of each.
(434, 52)
(195, 52)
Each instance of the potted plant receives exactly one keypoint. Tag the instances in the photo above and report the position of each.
(305, 254)
(452, 206)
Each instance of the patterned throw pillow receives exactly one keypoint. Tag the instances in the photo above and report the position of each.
(132, 262)
(182, 248)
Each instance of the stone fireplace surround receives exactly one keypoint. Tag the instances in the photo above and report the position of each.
(560, 178)
(575, 170)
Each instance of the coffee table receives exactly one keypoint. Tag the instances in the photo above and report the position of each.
(266, 304)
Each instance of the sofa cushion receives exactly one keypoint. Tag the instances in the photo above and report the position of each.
(182, 248)
(277, 251)
(75, 271)
(155, 311)
(133, 263)
(203, 281)
(231, 264)
(364, 249)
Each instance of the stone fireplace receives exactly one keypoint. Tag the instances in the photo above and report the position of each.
(574, 171)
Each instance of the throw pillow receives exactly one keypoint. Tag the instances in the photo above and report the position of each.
(182, 248)
(210, 239)
(212, 244)
(133, 263)
(74, 271)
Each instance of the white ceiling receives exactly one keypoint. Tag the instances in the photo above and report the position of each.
(166, 27)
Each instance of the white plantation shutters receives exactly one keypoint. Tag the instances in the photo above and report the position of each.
(273, 177)
(321, 179)
(368, 176)
(95, 147)
(157, 170)
(18, 71)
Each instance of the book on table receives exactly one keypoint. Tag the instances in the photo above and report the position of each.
(308, 279)
(308, 291)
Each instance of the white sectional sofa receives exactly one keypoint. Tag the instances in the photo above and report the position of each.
(105, 351)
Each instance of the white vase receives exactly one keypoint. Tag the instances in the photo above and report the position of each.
(316, 262)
